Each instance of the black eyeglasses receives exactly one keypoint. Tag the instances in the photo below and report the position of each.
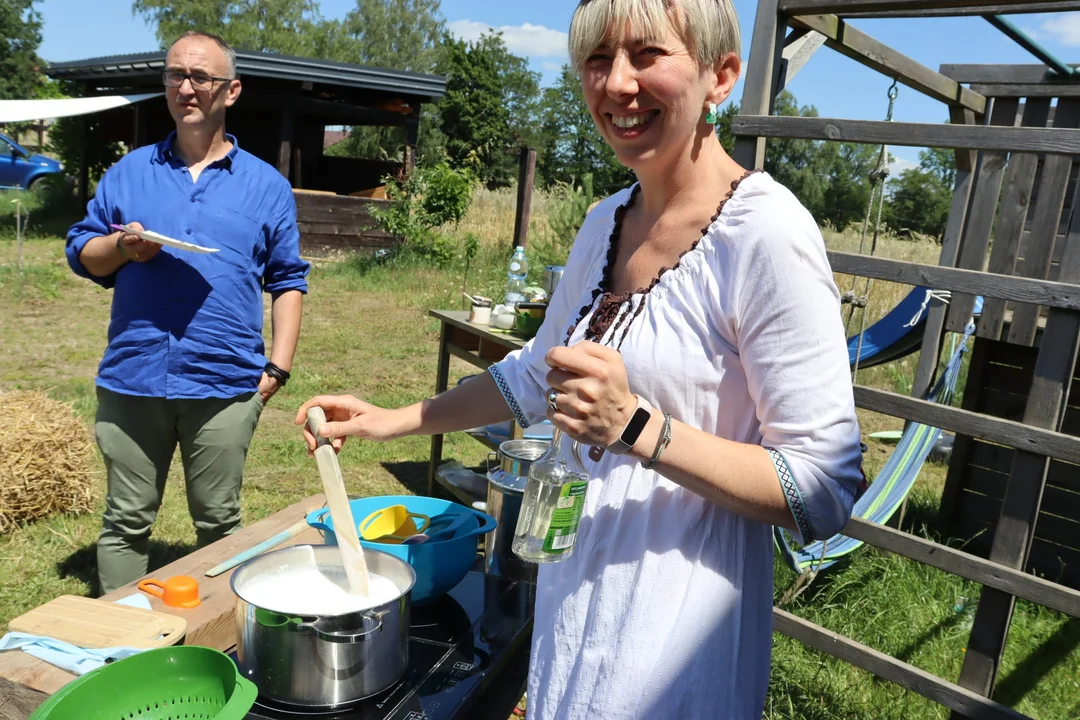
(199, 81)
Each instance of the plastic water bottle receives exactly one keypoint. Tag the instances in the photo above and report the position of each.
(519, 270)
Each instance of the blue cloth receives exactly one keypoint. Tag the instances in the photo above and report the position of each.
(188, 325)
(74, 659)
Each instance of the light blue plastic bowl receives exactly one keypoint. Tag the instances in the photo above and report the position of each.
(439, 565)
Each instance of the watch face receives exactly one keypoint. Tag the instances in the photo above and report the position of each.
(637, 424)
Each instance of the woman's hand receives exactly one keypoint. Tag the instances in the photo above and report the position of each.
(593, 395)
(345, 416)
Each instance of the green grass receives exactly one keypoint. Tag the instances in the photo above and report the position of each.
(366, 332)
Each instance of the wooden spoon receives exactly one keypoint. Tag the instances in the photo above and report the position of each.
(352, 555)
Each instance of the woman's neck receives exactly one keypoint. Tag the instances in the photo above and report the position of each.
(705, 171)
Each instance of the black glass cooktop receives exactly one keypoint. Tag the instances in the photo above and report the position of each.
(458, 646)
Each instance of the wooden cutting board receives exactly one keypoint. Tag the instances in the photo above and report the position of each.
(91, 623)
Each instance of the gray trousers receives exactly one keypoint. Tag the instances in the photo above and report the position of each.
(138, 437)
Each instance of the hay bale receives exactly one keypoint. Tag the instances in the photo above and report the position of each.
(47, 460)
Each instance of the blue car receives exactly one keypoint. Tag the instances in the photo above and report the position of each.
(19, 168)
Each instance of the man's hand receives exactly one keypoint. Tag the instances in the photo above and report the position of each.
(134, 249)
(268, 386)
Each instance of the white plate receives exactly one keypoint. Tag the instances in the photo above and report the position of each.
(152, 236)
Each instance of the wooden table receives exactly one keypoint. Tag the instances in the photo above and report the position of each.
(210, 624)
(25, 681)
(480, 347)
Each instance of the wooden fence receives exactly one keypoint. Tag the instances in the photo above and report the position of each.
(1030, 443)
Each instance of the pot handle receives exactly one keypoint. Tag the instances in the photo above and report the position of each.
(315, 519)
(490, 457)
(344, 636)
(487, 523)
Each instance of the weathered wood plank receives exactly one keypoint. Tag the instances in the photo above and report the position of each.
(1015, 530)
(351, 230)
(1062, 295)
(1033, 74)
(766, 52)
(1057, 503)
(930, 686)
(17, 702)
(975, 137)
(1033, 7)
(318, 240)
(1035, 440)
(1029, 90)
(1007, 378)
(966, 566)
(335, 215)
(1011, 216)
(1048, 209)
(857, 45)
(1050, 528)
(948, 514)
(1056, 563)
(914, 7)
(340, 203)
(797, 52)
(930, 351)
(988, 177)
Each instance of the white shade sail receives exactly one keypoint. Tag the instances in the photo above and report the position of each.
(27, 110)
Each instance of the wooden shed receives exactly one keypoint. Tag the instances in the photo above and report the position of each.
(282, 117)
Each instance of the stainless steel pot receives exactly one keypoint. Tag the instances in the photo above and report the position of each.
(322, 662)
(506, 487)
(552, 275)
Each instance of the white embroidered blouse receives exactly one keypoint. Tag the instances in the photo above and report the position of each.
(664, 610)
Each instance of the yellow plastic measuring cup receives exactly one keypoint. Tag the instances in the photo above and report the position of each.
(392, 525)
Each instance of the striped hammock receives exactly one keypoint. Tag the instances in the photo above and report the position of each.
(888, 490)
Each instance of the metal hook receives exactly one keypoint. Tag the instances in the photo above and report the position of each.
(894, 90)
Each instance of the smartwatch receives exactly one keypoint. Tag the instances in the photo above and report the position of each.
(633, 429)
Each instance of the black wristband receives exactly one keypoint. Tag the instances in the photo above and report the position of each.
(282, 376)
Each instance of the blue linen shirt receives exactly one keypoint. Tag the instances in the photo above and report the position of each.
(188, 325)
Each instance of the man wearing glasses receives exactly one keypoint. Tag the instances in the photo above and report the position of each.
(185, 363)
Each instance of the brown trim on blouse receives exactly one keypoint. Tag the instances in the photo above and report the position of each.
(609, 308)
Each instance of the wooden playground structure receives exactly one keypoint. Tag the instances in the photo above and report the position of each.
(1012, 496)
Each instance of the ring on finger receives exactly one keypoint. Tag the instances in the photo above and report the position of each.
(551, 396)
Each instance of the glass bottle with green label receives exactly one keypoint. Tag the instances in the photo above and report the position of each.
(551, 506)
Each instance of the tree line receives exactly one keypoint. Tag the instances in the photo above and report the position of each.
(494, 104)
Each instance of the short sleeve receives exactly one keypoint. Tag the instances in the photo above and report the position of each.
(793, 350)
(99, 216)
(521, 375)
(285, 270)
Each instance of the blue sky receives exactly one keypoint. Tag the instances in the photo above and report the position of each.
(837, 86)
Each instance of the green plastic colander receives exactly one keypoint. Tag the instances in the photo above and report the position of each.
(168, 683)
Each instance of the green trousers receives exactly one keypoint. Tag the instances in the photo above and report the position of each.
(138, 437)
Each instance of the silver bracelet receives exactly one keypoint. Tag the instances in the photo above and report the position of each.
(661, 443)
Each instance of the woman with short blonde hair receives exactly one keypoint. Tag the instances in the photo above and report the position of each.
(695, 343)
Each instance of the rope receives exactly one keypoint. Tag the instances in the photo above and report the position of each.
(942, 296)
(878, 176)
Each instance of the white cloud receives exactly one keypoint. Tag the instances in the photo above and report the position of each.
(1063, 28)
(899, 165)
(527, 40)
(549, 66)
